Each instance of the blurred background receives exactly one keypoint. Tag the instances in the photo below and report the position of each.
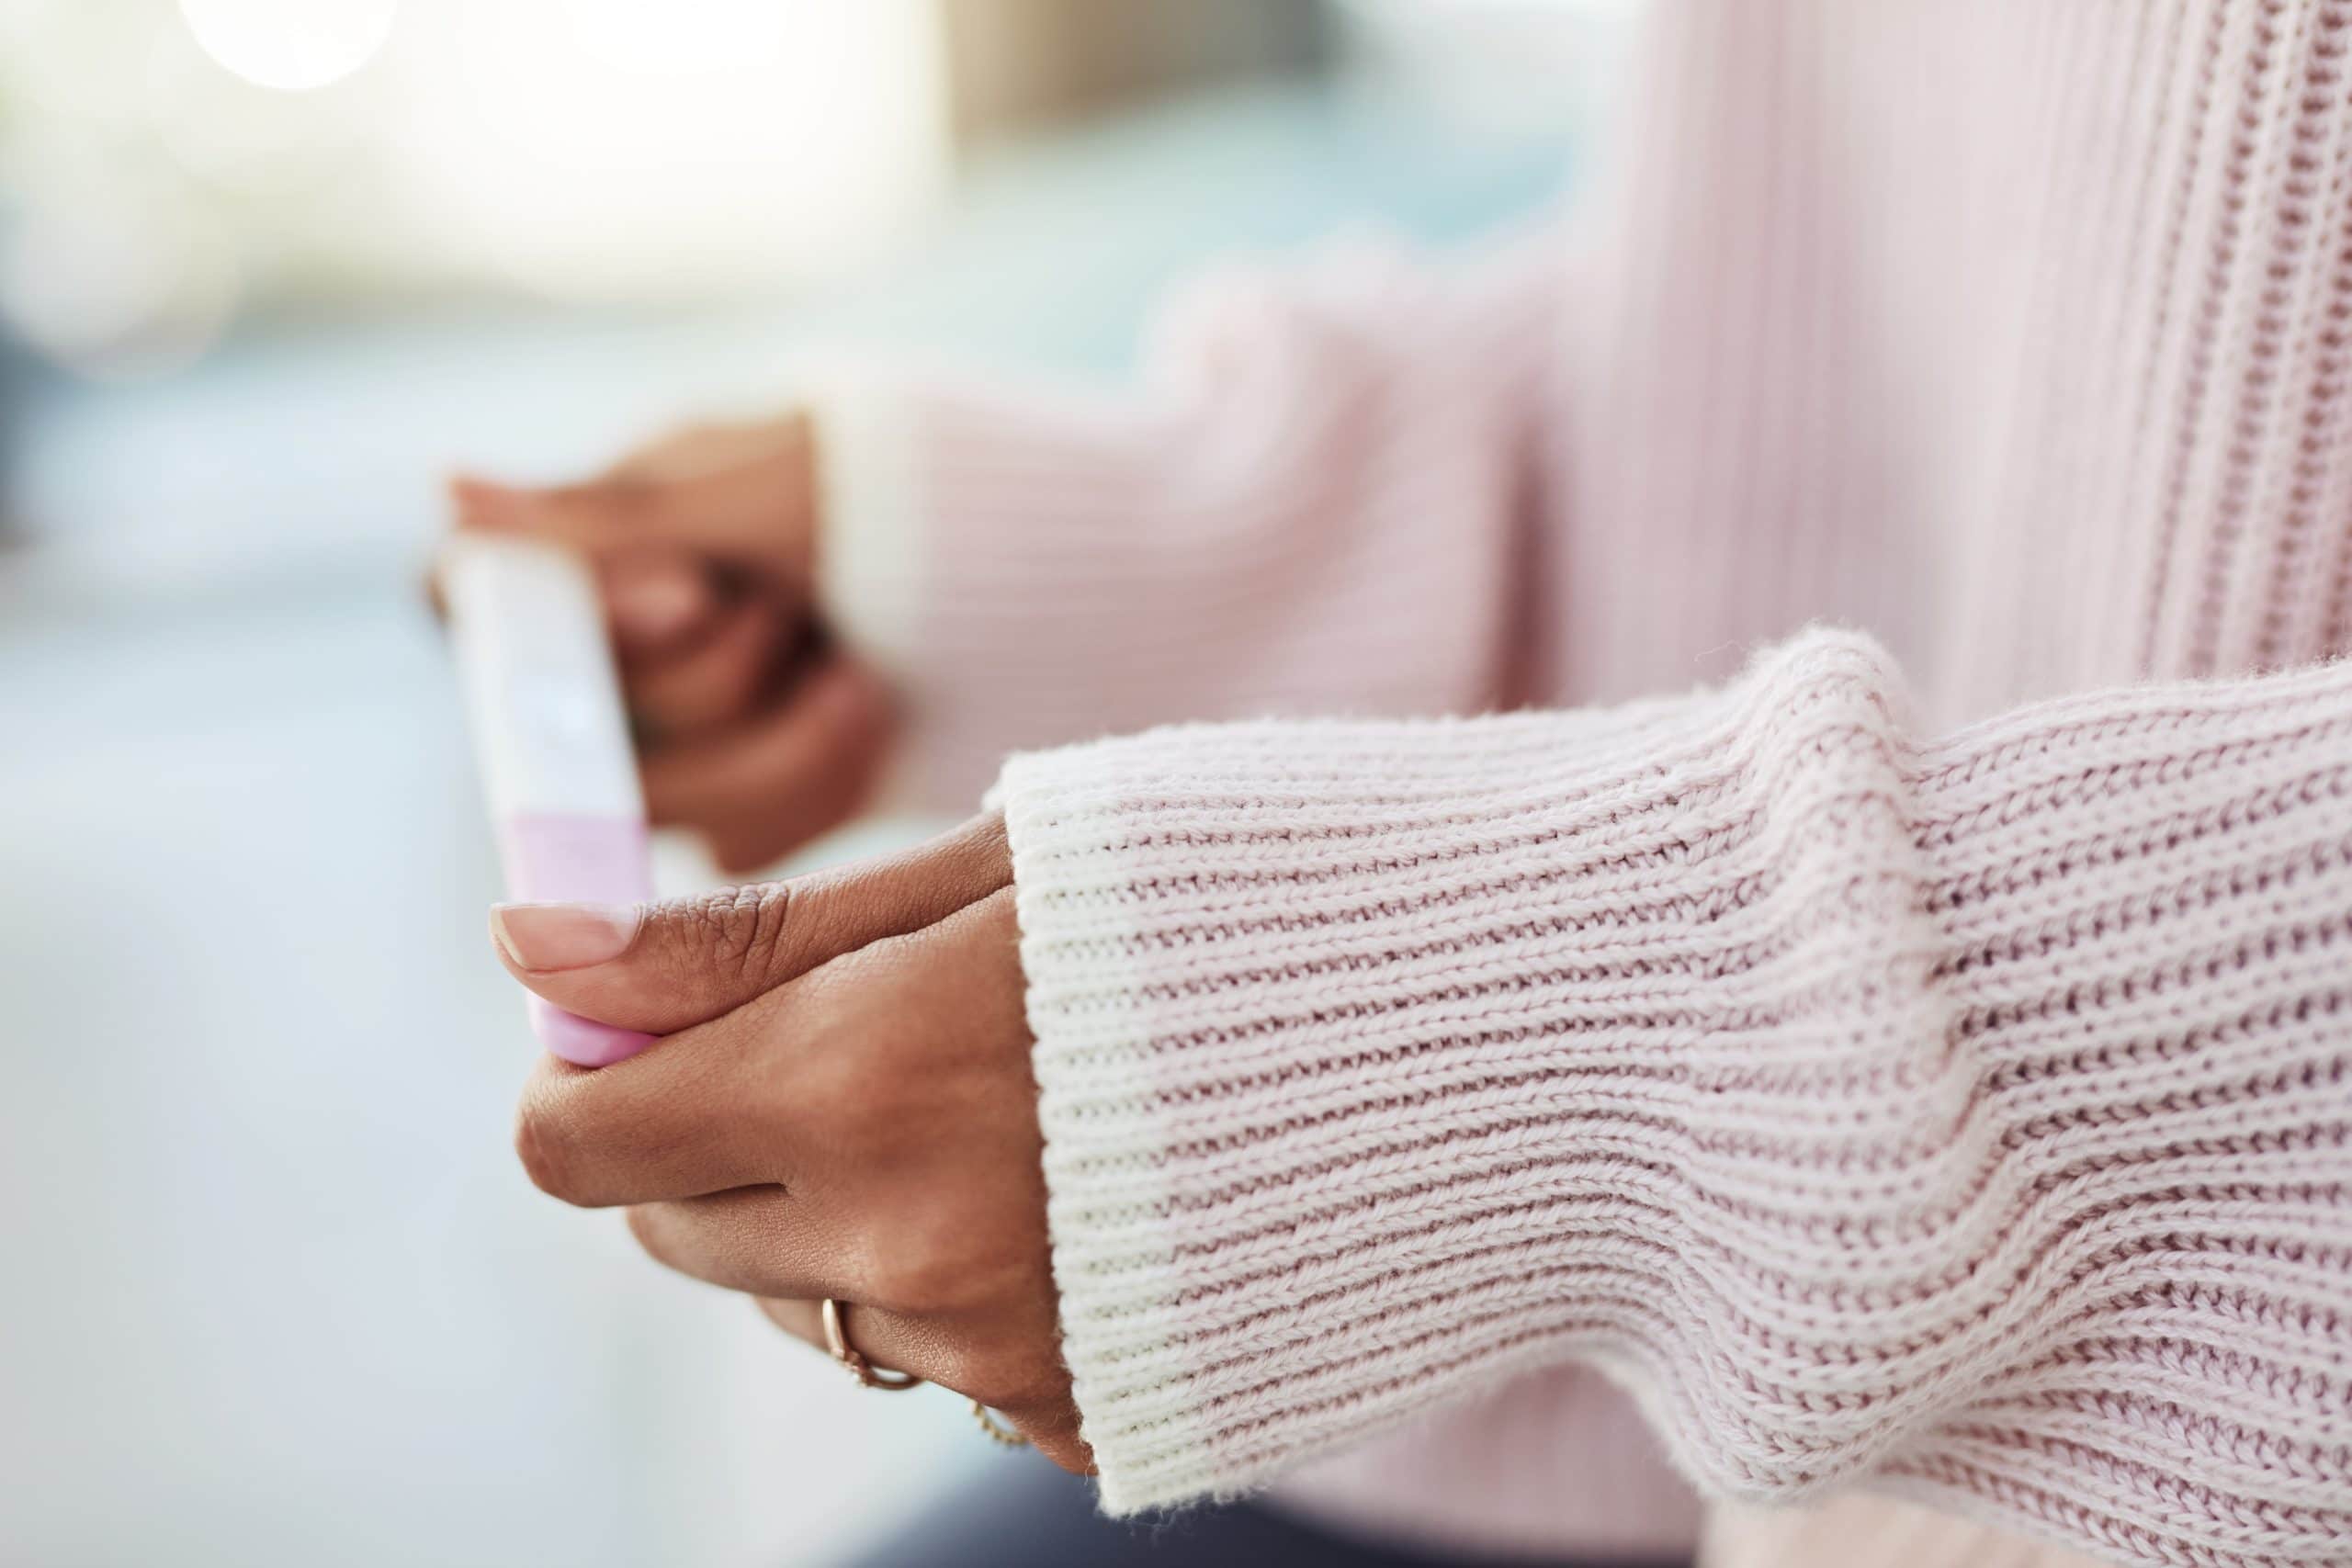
(278, 1292)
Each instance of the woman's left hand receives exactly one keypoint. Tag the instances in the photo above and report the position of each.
(842, 1107)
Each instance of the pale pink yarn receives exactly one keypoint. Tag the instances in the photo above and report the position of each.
(1919, 1052)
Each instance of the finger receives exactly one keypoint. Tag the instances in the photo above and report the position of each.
(1052, 1430)
(664, 967)
(753, 512)
(654, 600)
(782, 777)
(763, 1241)
(659, 1126)
(707, 444)
(919, 1345)
(798, 1316)
(717, 679)
(895, 1342)
(659, 600)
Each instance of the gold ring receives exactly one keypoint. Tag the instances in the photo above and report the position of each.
(998, 1431)
(867, 1374)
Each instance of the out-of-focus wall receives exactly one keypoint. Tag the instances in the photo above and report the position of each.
(171, 168)
(168, 166)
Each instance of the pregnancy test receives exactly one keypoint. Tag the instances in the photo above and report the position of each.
(543, 700)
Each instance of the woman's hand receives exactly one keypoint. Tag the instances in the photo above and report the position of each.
(749, 728)
(843, 1107)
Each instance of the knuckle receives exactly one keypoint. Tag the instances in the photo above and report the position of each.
(741, 930)
(536, 1151)
(546, 1144)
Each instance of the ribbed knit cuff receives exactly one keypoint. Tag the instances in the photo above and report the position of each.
(1363, 1052)
(1962, 1110)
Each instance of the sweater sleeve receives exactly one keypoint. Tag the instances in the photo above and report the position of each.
(1312, 458)
(1966, 1114)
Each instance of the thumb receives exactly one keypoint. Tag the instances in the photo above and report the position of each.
(661, 968)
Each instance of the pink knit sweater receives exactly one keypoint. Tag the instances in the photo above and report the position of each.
(1918, 1052)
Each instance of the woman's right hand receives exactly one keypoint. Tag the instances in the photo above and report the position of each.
(751, 727)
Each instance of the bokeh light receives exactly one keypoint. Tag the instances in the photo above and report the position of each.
(246, 140)
(751, 144)
(292, 45)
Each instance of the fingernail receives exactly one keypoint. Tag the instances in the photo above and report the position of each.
(543, 938)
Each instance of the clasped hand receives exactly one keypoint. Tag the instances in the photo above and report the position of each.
(841, 1106)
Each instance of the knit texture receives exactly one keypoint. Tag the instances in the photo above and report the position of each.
(1973, 1111)
(1325, 469)
(1934, 1078)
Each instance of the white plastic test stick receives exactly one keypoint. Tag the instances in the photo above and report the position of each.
(543, 700)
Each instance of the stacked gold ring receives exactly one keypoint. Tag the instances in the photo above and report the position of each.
(998, 1431)
(867, 1374)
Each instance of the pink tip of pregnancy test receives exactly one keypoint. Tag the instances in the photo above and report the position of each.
(583, 1041)
(556, 858)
